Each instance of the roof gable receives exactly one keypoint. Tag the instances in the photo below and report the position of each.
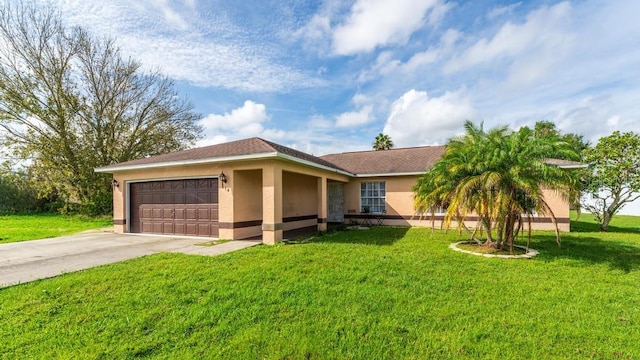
(246, 149)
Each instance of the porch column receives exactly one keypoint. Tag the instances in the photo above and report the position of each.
(226, 205)
(322, 204)
(271, 204)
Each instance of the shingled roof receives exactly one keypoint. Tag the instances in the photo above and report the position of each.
(394, 161)
(400, 161)
(247, 148)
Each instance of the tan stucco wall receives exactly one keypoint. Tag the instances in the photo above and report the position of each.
(248, 202)
(300, 195)
(399, 202)
(258, 190)
(399, 196)
(270, 191)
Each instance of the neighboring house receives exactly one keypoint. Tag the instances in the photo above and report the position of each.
(256, 188)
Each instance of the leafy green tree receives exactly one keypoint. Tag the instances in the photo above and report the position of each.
(498, 175)
(548, 129)
(615, 181)
(17, 193)
(382, 142)
(70, 103)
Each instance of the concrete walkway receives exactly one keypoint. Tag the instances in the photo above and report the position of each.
(38, 259)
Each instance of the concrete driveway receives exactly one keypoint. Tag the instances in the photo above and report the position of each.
(38, 259)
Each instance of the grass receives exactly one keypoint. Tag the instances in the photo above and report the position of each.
(14, 228)
(383, 293)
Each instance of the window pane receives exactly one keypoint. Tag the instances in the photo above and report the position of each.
(372, 195)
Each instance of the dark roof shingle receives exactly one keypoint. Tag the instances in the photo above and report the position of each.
(251, 146)
(394, 161)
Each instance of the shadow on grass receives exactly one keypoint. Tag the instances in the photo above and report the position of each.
(382, 236)
(580, 226)
(589, 250)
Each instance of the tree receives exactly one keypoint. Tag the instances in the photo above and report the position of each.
(548, 129)
(70, 103)
(498, 176)
(615, 180)
(382, 142)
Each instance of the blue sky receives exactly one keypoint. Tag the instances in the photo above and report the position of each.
(328, 76)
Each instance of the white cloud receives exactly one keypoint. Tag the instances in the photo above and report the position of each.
(434, 53)
(502, 10)
(374, 23)
(186, 45)
(386, 65)
(243, 122)
(536, 44)
(317, 28)
(355, 118)
(417, 119)
(363, 115)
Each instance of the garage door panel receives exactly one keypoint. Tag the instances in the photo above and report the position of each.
(204, 214)
(204, 229)
(191, 214)
(191, 229)
(181, 207)
(147, 226)
(146, 213)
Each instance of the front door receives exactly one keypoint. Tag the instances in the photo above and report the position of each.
(335, 199)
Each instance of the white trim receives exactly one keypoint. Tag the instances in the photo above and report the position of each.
(174, 178)
(312, 164)
(116, 168)
(127, 211)
(390, 174)
(576, 166)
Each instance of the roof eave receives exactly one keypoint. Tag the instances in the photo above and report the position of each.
(408, 173)
(275, 154)
(117, 168)
(312, 164)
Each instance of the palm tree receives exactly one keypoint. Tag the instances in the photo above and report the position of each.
(382, 142)
(498, 176)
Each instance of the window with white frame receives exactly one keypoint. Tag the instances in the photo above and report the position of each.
(372, 196)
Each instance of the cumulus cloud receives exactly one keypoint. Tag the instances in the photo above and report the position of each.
(359, 117)
(373, 23)
(245, 121)
(417, 119)
(355, 118)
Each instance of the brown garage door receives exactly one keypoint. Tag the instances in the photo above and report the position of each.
(175, 207)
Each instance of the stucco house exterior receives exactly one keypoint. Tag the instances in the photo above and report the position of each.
(254, 188)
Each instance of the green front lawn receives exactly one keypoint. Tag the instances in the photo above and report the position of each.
(15, 228)
(386, 293)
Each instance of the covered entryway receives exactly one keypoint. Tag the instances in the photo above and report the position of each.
(175, 207)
